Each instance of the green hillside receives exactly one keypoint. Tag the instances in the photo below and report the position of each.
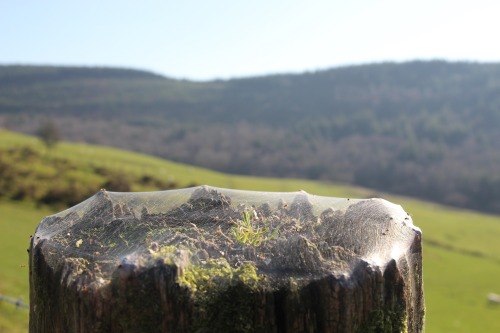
(461, 248)
(426, 129)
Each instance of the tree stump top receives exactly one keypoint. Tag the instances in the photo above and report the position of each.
(213, 239)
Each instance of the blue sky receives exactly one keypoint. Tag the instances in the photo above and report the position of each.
(208, 39)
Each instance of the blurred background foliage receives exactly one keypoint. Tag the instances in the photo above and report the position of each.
(427, 129)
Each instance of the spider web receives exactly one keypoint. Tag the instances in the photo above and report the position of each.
(292, 234)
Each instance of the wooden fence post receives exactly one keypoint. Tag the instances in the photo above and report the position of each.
(214, 260)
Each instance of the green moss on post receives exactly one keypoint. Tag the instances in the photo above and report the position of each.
(385, 321)
(223, 295)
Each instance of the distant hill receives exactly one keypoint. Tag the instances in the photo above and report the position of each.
(425, 129)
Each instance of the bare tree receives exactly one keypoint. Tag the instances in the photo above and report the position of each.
(49, 133)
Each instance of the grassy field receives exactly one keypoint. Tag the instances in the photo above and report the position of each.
(461, 248)
(461, 266)
(17, 223)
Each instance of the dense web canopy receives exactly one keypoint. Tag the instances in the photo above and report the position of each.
(291, 234)
(215, 238)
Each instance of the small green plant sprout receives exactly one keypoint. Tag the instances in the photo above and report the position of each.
(245, 232)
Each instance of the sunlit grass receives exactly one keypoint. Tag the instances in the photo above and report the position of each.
(17, 222)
